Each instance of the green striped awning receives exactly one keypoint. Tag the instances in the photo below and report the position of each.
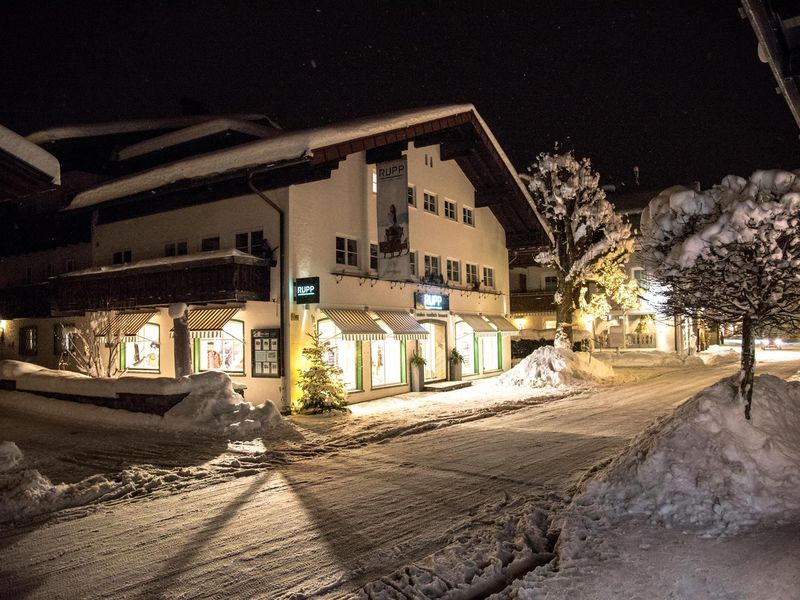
(208, 322)
(503, 325)
(478, 324)
(355, 324)
(128, 325)
(403, 325)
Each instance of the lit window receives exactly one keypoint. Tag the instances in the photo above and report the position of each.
(471, 274)
(550, 324)
(432, 268)
(488, 277)
(454, 270)
(387, 357)
(343, 354)
(465, 343)
(490, 353)
(63, 338)
(346, 251)
(450, 210)
(143, 353)
(374, 181)
(209, 244)
(412, 196)
(29, 341)
(467, 215)
(429, 203)
(223, 353)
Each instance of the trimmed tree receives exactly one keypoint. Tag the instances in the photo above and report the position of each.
(730, 254)
(321, 382)
(582, 226)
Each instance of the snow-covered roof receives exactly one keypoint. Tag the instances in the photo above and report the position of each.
(116, 127)
(192, 133)
(240, 257)
(30, 153)
(286, 147)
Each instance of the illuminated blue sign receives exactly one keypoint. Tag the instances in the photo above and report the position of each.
(428, 301)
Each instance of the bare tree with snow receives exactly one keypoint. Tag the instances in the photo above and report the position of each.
(730, 254)
(93, 348)
(582, 226)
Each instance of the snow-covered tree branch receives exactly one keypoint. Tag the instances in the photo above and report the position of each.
(730, 253)
(581, 223)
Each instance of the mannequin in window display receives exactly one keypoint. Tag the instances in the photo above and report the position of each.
(214, 358)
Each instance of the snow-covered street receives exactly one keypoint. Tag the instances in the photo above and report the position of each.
(329, 524)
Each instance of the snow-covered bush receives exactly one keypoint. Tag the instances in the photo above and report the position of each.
(582, 227)
(730, 253)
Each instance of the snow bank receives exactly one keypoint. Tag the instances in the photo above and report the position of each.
(707, 468)
(553, 367)
(211, 404)
(650, 358)
(719, 355)
(10, 456)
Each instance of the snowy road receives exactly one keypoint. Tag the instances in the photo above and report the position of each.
(324, 526)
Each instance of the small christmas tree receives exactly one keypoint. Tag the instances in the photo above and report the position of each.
(323, 389)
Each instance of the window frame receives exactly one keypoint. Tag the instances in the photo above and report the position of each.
(434, 201)
(450, 204)
(487, 282)
(413, 258)
(449, 270)
(123, 352)
(554, 287)
(209, 238)
(359, 356)
(196, 350)
(125, 257)
(249, 246)
(471, 274)
(373, 256)
(60, 337)
(347, 252)
(411, 195)
(468, 210)
(22, 346)
(176, 248)
(428, 265)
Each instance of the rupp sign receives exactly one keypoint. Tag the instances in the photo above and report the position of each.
(306, 290)
(428, 301)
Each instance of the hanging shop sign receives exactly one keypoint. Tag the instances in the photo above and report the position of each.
(266, 352)
(428, 301)
(393, 260)
(306, 290)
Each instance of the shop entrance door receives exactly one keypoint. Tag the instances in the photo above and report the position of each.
(434, 349)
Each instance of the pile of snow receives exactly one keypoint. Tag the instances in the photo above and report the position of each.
(211, 404)
(648, 358)
(707, 468)
(553, 367)
(10, 456)
(719, 355)
(212, 401)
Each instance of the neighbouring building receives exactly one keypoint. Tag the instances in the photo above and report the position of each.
(385, 235)
(533, 288)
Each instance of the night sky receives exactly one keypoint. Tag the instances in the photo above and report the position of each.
(674, 87)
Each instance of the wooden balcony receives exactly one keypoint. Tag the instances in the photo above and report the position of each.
(207, 277)
(24, 301)
(529, 303)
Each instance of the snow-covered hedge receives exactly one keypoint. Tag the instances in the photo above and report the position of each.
(554, 367)
(708, 468)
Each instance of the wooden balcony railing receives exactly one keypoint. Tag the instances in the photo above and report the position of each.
(232, 277)
(24, 301)
(532, 302)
